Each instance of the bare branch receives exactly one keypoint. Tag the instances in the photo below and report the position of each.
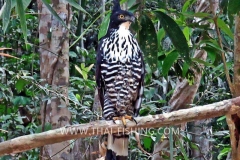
(28, 142)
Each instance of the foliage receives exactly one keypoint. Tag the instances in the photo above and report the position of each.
(168, 38)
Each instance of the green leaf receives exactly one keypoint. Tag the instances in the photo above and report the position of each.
(47, 127)
(168, 62)
(82, 71)
(148, 41)
(54, 13)
(198, 14)
(104, 26)
(175, 34)
(25, 3)
(222, 25)
(131, 2)
(212, 43)
(233, 7)
(211, 52)
(223, 152)
(185, 69)
(21, 14)
(203, 62)
(21, 84)
(221, 118)
(72, 54)
(77, 6)
(187, 4)
(160, 35)
(147, 143)
(171, 142)
(186, 32)
(73, 98)
(183, 151)
(89, 67)
(21, 100)
(134, 7)
(6, 15)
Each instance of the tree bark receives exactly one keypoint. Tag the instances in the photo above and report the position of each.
(101, 127)
(184, 94)
(54, 68)
(87, 148)
(233, 120)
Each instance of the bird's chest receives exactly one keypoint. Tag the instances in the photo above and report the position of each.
(119, 47)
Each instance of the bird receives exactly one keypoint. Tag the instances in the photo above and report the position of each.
(119, 76)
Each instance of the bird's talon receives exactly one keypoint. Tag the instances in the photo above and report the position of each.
(133, 119)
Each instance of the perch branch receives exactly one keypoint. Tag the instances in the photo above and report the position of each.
(27, 142)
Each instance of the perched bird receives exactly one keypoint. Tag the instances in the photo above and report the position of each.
(119, 77)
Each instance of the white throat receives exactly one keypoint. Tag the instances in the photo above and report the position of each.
(125, 25)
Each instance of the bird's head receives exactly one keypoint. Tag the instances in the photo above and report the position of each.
(120, 17)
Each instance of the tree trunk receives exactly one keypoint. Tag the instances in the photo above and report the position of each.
(54, 68)
(87, 148)
(183, 96)
(234, 119)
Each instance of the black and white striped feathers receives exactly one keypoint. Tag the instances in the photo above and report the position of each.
(119, 70)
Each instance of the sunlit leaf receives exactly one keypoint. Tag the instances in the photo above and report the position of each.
(89, 67)
(148, 41)
(186, 32)
(82, 70)
(187, 4)
(224, 152)
(104, 26)
(175, 34)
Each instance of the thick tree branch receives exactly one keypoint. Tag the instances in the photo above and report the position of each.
(28, 142)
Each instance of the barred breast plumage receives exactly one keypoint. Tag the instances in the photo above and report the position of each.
(121, 70)
(119, 77)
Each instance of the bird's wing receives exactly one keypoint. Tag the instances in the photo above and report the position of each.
(98, 76)
(138, 101)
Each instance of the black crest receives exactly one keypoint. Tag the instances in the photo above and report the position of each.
(116, 6)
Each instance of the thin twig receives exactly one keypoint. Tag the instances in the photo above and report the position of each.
(223, 55)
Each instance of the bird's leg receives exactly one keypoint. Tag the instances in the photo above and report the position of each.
(123, 119)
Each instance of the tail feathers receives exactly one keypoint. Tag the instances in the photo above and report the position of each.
(117, 147)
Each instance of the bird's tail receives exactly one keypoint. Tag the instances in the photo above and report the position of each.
(117, 147)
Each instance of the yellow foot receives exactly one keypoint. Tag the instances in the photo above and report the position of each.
(123, 118)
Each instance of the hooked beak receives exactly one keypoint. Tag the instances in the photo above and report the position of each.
(130, 18)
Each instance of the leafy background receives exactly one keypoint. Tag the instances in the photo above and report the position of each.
(164, 32)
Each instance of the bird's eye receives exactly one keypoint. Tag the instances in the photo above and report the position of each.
(121, 16)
